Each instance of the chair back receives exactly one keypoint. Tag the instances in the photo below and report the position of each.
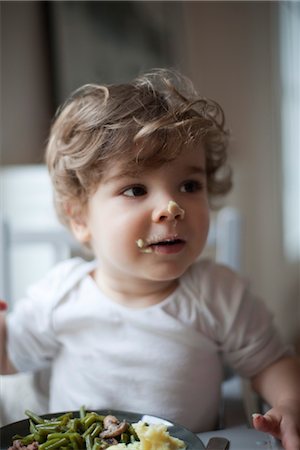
(32, 239)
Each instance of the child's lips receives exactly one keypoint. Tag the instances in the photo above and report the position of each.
(167, 246)
(158, 244)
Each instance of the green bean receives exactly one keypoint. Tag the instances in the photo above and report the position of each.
(65, 417)
(82, 412)
(17, 436)
(47, 425)
(54, 443)
(41, 436)
(97, 446)
(88, 442)
(55, 436)
(74, 424)
(89, 419)
(32, 427)
(125, 439)
(27, 439)
(48, 429)
(89, 430)
(34, 417)
(78, 438)
(74, 441)
(132, 432)
(97, 430)
(100, 417)
(50, 423)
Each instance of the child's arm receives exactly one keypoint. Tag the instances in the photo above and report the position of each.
(279, 385)
(6, 368)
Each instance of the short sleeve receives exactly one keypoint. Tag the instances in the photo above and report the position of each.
(31, 341)
(238, 321)
(252, 342)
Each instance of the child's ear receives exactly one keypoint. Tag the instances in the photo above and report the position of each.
(80, 230)
(78, 224)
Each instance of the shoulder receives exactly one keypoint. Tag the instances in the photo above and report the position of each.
(60, 279)
(227, 299)
(215, 279)
(221, 293)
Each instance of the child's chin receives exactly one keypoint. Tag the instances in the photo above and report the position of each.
(168, 273)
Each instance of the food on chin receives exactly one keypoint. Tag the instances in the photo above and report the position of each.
(142, 245)
(93, 431)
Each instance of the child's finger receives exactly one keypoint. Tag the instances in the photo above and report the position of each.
(266, 423)
(291, 438)
(3, 305)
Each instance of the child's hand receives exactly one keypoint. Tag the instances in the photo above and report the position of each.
(3, 305)
(283, 423)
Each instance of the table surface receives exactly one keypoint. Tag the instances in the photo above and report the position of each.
(244, 438)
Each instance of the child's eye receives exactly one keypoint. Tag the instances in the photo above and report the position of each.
(191, 186)
(135, 191)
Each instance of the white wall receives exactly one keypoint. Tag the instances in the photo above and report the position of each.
(232, 57)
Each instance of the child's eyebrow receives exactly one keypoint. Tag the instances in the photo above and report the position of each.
(196, 170)
(190, 170)
(120, 175)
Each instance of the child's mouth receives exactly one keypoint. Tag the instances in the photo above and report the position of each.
(169, 246)
(164, 246)
(167, 242)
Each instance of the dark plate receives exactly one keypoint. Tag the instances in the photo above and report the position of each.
(22, 427)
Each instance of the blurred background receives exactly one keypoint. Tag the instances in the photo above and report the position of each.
(245, 55)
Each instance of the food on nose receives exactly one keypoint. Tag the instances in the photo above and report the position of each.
(175, 210)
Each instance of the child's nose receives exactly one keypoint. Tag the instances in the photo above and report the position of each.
(170, 212)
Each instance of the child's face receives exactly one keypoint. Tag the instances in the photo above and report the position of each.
(151, 226)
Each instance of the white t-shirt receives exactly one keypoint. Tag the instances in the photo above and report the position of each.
(164, 360)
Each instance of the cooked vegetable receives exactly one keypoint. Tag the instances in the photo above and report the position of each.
(90, 431)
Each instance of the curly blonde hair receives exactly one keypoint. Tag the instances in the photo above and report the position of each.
(142, 125)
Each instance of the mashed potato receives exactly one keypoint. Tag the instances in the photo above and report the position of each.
(152, 437)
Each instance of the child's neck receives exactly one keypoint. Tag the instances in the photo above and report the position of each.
(138, 294)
